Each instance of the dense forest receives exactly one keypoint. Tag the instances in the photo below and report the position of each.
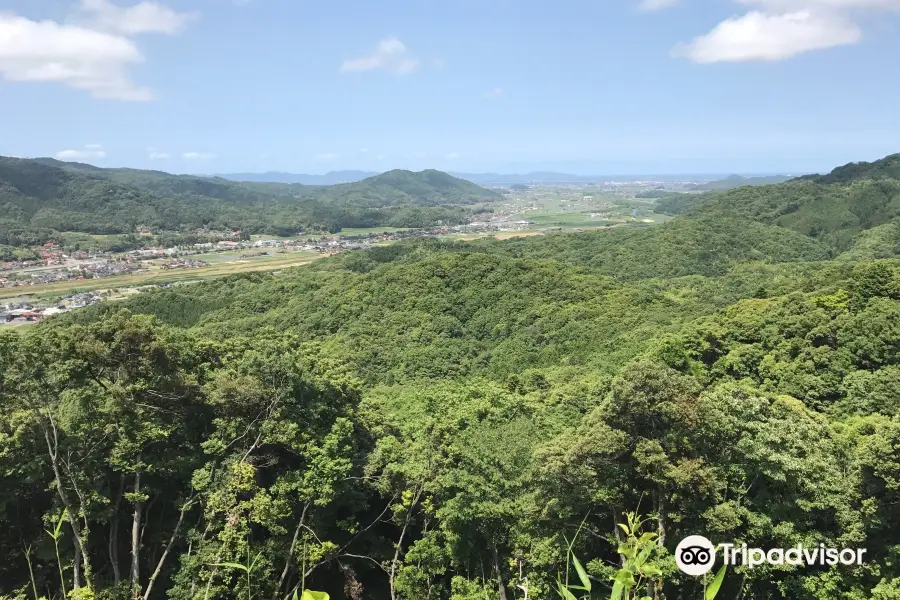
(445, 420)
(42, 197)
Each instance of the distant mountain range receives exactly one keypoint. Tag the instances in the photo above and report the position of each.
(330, 178)
(501, 179)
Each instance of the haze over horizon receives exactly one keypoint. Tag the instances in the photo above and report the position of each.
(652, 87)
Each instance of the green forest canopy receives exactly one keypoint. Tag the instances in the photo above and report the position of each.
(433, 419)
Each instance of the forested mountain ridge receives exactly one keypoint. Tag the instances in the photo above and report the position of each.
(45, 195)
(884, 168)
(834, 209)
(734, 181)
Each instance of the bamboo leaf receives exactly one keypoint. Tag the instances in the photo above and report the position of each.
(230, 565)
(565, 593)
(582, 574)
(255, 560)
(59, 523)
(716, 583)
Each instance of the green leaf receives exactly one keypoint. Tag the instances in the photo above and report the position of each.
(626, 578)
(308, 595)
(62, 517)
(617, 591)
(624, 528)
(255, 560)
(582, 574)
(230, 566)
(716, 583)
(650, 570)
(565, 593)
(642, 556)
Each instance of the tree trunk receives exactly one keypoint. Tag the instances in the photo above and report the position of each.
(290, 556)
(617, 532)
(501, 587)
(661, 537)
(114, 534)
(136, 536)
(162, 560)
(64, 497)
(661, 517)
(394, 562)
(76, 567)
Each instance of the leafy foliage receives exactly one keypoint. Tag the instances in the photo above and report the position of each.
(434, 419)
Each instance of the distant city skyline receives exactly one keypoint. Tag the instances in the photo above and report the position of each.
(627, 86)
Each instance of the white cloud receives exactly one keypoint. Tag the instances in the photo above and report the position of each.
(80, 58)
(390, 55)
(88, 151)
(199, 155)
(92, 53)
(453, 156)
(326, 156)
(781, 29)
(655, 5)
(494, 93)
(145, 17)
(789, 5)
(154, 154)
(768, 37)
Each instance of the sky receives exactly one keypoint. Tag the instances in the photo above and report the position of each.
(586, 87)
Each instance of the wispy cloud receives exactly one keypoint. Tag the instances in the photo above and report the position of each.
(199, 155)
(154, 154)
(145, 17)
(92, 51)
(494, 93)
(781, 29)
(86, 152)
(326, 156)
(655, 5)
(390, 55)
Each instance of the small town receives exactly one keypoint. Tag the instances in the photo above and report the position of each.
(56, 265)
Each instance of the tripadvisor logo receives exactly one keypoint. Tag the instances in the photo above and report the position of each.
(695, 555)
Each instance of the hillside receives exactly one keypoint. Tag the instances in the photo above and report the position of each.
(39, 197)
(400, 187)
(834, 209)
(885, 168)
(735, 181)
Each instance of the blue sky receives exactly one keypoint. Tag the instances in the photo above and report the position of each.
(618, 86)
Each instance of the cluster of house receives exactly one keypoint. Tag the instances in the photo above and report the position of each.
(22, 312)
(70, 272)
(185, 263)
